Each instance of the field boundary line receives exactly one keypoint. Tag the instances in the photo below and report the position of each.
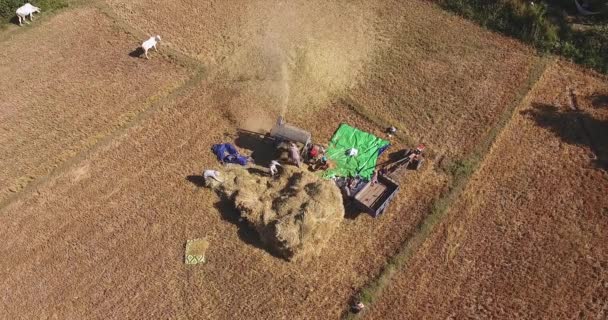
(155, 105)
(398, 262)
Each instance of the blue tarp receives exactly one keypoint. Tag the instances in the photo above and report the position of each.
(227, 153)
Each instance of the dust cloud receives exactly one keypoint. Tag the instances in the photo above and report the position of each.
(294, 56)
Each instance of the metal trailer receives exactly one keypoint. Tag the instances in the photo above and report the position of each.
(373, 198)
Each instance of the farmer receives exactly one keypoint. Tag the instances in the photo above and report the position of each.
(320, 164)
(375, 177)
(294, 154)
(273, 167)
(314, 152)
(211, 174)
(357, 307)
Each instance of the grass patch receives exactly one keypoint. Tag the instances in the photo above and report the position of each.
(550, 26)
(460, 171)
(8, 7)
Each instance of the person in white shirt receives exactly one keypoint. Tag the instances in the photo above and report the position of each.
(294, 153)
(212, 174)
(273, 167)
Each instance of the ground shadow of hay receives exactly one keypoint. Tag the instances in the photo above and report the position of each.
(197, 180)
(231, 214)
(351, 211)
(599, 100)
(246, 233)
(574, 127)
(262, 151)
(258, 171)
(137, 53)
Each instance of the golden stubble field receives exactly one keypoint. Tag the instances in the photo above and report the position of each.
(527, 239)
(443, 81)
(66, 85)
(104, 236)
(436, 77)
(116, 224)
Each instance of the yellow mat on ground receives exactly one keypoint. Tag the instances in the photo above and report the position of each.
(195, 251)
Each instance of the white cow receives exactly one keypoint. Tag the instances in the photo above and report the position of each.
(149, 44)
(26, 10)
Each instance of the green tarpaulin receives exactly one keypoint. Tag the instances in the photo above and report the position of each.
(363, 163)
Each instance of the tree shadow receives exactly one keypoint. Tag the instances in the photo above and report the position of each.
(599, 100)
(262, 148)
(246, 233)
(574, 127)
(137, 53)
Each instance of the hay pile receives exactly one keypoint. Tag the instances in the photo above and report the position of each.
(294, 214)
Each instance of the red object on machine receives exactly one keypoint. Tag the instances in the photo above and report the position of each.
(314, 152)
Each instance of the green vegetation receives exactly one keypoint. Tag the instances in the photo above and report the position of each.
(8, 7)
(551, 26)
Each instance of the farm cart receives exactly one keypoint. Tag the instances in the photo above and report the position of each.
(374, 197)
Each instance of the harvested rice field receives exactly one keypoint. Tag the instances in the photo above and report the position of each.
(527, 238)
(442, 80)
(120, 218)
(434, 76)
(61, 98)
(103, 151)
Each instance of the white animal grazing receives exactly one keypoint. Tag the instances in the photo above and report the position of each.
(26, 10)
(149, 44)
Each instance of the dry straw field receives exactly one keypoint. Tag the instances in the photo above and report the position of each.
(101, 149)
(527, 237)
(74, 89)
